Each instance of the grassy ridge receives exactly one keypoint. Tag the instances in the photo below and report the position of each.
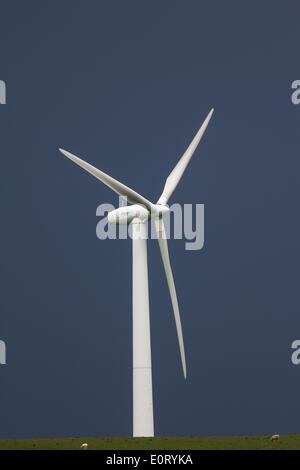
(287, 442)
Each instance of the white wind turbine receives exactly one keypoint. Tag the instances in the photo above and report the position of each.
(138, 214)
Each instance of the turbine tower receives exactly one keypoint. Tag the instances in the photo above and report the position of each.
(138, 214)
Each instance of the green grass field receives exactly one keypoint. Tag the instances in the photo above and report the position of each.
(287, 442)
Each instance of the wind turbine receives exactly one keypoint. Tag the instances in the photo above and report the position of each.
(138, 214)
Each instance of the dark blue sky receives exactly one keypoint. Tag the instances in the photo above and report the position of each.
(125, 85)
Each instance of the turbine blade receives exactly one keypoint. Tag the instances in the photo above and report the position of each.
(163, 245)
(175, 176)
(116, 186)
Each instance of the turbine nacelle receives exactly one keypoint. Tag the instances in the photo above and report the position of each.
(124, 215)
